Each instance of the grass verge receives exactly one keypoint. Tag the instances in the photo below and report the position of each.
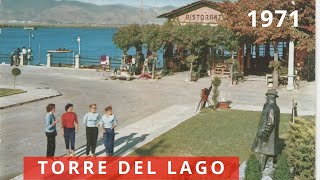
(9, 92)
(211, 133)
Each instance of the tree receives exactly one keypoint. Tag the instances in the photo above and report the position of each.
(169, 38)
(15, 72)
(236, 18)
(194, 39)
(191, 59)
(216, 82)
(127, 37)
(151, 37)
(253, 169)
(300, 147)
(282, 169)
(223, 37)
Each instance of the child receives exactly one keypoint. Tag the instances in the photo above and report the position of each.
(91, 121)
(108, 123)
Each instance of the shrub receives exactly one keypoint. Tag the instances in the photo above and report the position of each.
(15, 72)
(216, 83)
(300, 148)
(253, 169)
(282, 170)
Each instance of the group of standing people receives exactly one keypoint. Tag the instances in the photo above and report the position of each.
(18, 55)
(70, 126)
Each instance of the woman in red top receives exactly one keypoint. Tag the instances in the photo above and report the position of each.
(69, 128)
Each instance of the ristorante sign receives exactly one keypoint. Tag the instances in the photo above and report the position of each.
(204, 15)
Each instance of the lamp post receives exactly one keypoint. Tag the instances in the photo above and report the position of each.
(78, 39)
(30, 29)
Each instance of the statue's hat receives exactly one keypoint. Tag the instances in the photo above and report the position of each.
(272, 92)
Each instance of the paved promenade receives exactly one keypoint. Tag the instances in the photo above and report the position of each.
(145, 108)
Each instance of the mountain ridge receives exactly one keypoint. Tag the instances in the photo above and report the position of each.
(75, 12)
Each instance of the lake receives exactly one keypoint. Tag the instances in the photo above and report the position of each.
(94, 42)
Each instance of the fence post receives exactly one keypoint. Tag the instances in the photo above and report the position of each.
(48, 60)
(77, 63)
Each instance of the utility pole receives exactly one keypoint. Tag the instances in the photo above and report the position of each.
(30, 29)
(141, 11)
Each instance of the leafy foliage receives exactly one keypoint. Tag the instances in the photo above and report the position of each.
(300, 148)
(15, 72)
(282, 169)
(216, 82)
(253, 169)
(191, 59)
(127, 37)
(223, 37)
(236, 19)
(151, 36)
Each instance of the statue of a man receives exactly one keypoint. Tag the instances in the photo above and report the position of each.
(266, 143)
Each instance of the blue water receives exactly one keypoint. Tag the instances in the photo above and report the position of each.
(94, 42)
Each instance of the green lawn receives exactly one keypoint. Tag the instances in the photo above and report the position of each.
(210, 133)
(8, 92)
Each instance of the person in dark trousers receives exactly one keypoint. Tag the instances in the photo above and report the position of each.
(51, 130)
(91, 121)
(17, 53)
(69, 128)
(108, 123)
(11, 58)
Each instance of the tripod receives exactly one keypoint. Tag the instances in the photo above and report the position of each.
(204, 99)
(203, 104)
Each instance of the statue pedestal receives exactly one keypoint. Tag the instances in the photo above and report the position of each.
(267, 173)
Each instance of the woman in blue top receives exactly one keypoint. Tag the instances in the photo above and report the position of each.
(51, 130)
(91, 120)
(108, 123)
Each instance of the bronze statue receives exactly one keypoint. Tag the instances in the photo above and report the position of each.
(267, 143)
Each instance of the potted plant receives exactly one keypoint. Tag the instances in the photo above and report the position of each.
(224, 104)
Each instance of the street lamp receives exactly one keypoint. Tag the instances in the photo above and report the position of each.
(78, 39)
(30, 29)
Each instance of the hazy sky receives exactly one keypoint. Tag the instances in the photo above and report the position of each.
(160, 3)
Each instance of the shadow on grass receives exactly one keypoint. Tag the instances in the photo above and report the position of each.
(150, 151)
(130, 143)
(126, 143)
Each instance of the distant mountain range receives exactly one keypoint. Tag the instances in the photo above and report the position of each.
(75, 12)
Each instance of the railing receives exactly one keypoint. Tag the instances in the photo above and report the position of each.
(93, 62)
(5, 58)
(62, 61)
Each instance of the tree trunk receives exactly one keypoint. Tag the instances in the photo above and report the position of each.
(153, 68)
(248, 54)
(275, 75)
(241, 57)
(14, 82)
(191, 71)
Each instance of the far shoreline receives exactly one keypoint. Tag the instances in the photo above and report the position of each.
(38, 25)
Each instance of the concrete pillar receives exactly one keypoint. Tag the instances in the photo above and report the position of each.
(48, 60)
(290, 85)
(77, 63)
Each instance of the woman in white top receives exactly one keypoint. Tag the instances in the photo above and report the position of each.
(108, 123)
(91, 121)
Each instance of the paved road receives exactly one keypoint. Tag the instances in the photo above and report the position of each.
(22, 128)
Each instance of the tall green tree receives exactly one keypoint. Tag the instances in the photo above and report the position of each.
(151, 37)
(169, 38)
(194, 39)
(221, 36)
(236, 18)
(127, 37)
